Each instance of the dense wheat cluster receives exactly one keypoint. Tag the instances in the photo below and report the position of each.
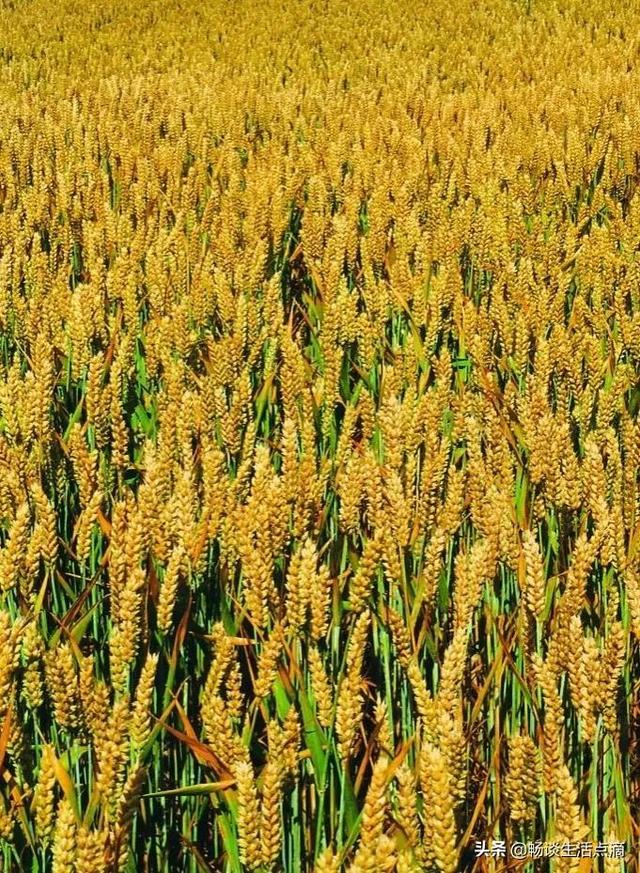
(319, 441)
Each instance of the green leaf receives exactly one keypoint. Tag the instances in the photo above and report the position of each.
(230, 842)
(313, 736)
(200, 788)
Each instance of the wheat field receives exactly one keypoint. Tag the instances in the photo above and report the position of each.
(319, 440)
